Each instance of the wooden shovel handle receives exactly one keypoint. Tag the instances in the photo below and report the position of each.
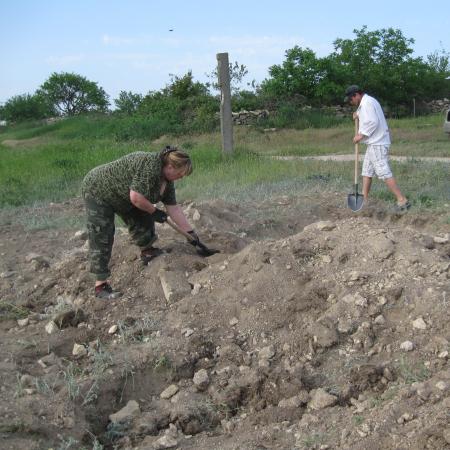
(356, 150)
(179, 230)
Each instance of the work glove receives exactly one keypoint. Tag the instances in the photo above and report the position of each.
(159, 216)
(195, 239)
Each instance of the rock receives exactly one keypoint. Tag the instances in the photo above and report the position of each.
(419, 324)
(379, 320)
(7, 274)
(294, 402)
(320, 399)
(186, 332)
(27, 380)
(169, 392)
(196, 289)
(113, 329)
(23, 322)
(443, 355)
(165, 442)
(441, 239)
(441, 385)
(196, 215)
(175, 285)
(325, 335)
(407, 346)
(70, 318)
(234, 321)
(380, 246)
(127, 413)
(355, 299)
(267, 353)
(79, 350)
(51, 327)
(201, 379)
(324, 225)
(81, 235)
(446, 435)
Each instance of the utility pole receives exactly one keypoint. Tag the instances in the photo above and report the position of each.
(226, 118)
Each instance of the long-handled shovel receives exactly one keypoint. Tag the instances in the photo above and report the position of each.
(202, 249)
(355, 201)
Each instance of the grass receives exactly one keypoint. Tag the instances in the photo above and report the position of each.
(412, 372)
(52, 166)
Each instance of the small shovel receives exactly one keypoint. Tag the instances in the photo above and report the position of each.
(202, 249)
(355, 201)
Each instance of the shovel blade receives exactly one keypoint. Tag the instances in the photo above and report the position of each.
(203, 250)
(355, 201)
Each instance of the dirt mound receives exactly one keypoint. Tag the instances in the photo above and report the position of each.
(302, 333)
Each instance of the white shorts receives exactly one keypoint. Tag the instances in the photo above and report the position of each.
(376, 162)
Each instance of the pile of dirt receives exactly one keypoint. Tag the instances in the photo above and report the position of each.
(320, 330)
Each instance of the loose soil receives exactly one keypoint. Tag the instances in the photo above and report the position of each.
(314, 328)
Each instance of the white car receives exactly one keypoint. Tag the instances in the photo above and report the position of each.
(447, 122)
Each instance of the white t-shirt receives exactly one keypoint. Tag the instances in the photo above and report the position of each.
(372, 122)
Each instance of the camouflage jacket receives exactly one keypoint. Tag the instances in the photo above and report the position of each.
(140, 171)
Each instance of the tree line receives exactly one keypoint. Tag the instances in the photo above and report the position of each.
(381, 62)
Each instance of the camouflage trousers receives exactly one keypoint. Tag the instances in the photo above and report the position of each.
(101, 228)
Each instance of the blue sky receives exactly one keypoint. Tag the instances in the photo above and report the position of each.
(127, 45)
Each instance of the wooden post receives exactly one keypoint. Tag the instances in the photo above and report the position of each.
(226, 119)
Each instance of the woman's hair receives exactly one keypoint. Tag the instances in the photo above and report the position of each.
(177, 158)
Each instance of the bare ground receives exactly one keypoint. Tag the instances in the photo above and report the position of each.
(313, 328)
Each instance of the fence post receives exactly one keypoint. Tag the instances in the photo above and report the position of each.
(226, 119)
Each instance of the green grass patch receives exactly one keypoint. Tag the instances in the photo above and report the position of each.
(51, 169)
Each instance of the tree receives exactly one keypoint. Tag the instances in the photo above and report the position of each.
(298, 76)
(237, 74)
(25, 107)
(184, 87)
(72, 94)
(128, 103)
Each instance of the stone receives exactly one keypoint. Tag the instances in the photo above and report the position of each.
(165, 442)
(23, 322)
(446, 435)
(443, 355)
(321, 399)
(51, 327)
(441, 385)
(407, 346)
(174, 284)
(196, 215)
(267, 353)
(380, 320)
(380, 246)
(441, 239)
(234, 321)
(169, 392)
(419, 324)
(79, 350)
(113, 329)
(81, 235)
(127, 413)
(324, 225)
(201, 379)
(294, 402)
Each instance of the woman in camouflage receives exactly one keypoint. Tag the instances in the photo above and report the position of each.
(129, 187)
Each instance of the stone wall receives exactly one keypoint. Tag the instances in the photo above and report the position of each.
(437, 106)
(249, 117)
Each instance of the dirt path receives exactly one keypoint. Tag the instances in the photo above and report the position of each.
(345, 158)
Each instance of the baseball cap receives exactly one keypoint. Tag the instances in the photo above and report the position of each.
(350, 91)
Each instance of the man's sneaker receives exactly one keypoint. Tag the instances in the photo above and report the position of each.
(402, 207)
(106, 292)
(149, 253)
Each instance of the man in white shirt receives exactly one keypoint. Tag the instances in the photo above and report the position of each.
(373, 131)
